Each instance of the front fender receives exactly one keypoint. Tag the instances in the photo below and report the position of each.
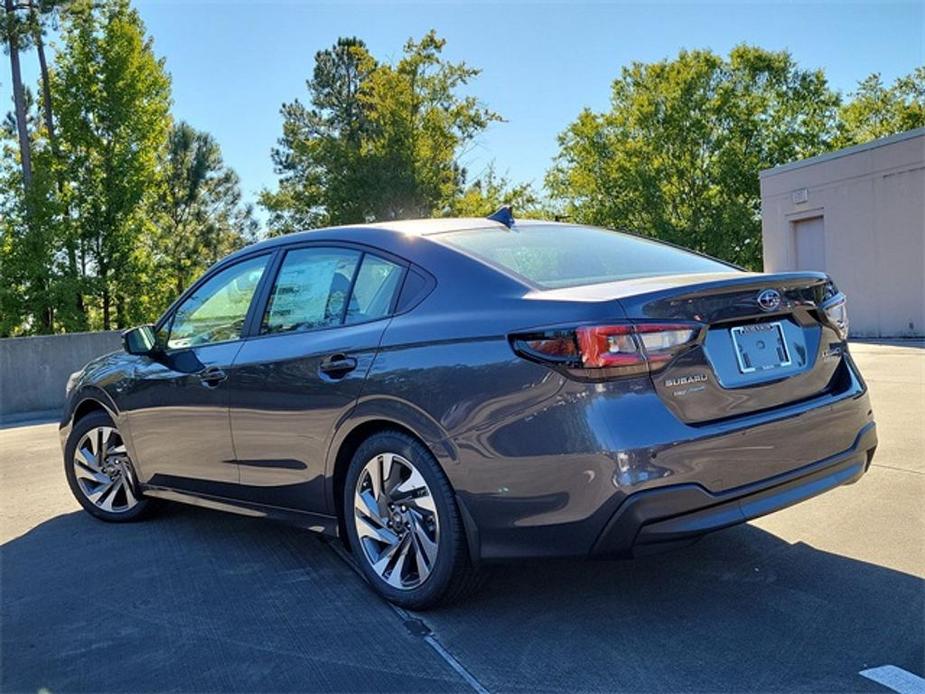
(83, 395)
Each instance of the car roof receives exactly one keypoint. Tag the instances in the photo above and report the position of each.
(389, 235)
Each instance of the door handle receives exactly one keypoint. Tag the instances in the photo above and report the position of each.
(337, 365)
(212, 376)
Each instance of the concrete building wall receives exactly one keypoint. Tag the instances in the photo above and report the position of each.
(34, 370)
(858, 214)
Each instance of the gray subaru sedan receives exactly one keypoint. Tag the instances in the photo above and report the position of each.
(444, 393)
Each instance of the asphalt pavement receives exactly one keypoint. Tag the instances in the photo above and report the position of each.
(193, 600)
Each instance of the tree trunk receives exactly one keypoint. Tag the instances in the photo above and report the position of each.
(19, 99)
(103, 279)
(106, 307)
(120, 312)
(46, 86)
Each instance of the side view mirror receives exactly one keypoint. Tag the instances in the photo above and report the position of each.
(139, 340)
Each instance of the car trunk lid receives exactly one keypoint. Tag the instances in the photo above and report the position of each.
(766, 344)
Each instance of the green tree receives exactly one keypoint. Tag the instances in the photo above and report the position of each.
(378, 141)
(319, 154)
(677, 155)
(200, 215)
(113, 99)
(876, 110)
(489, 191)
(30, 284)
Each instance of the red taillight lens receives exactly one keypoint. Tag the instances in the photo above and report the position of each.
(556, 346)
(622, 349)
(608, 345)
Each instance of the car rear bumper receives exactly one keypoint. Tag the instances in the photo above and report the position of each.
(667, 517)
(608, 473)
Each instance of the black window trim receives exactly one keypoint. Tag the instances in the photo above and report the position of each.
(253, 328)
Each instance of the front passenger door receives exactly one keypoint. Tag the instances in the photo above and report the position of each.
(295, 382)
(177, 407)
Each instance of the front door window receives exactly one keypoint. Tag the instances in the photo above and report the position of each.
(217, 309)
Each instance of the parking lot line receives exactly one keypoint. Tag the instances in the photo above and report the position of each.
(895, 678)
(408, 619)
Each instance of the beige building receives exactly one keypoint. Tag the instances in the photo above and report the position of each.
(859, 215)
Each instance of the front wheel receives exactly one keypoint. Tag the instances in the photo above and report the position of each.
(99, 471)
(403, 524)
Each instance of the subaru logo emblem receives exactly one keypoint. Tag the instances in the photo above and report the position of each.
(769, 299)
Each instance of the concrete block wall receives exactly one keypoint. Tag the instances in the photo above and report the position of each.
(34, 370)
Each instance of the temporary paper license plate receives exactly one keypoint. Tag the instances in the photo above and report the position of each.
(760, 347)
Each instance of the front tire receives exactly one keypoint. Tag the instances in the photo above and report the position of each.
(100, 473)
(403, 524)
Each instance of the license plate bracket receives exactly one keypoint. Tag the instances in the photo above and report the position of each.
(760, 347)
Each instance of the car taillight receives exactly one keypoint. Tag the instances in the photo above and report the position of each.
(836, 311)
(620, 348)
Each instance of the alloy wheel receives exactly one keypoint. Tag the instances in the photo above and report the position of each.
(103, 470)
(396, 521)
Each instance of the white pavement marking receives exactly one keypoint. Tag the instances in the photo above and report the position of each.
(895, 678)
(455, 664)
(429, 638)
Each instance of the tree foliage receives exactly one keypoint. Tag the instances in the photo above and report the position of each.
(376, 141)
(200, 217)
(113, 120)
(491, 190)
(123, 209)
(876, 110)
(108, 209)
(678, 154)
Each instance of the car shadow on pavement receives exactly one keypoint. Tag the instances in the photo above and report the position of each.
(741, 610)
(201, 601)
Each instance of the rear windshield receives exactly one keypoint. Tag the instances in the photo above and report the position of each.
(556, 255)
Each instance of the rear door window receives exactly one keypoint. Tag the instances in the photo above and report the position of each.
(323, 287)
(311, 289)
(375, 288)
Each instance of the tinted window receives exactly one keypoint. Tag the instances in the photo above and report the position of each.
(311, 289)
(216, 310)
(374, 290)
(566, 256)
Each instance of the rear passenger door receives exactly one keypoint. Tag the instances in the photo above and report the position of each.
(323, 318)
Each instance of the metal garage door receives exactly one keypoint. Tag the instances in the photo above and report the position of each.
(809, 243)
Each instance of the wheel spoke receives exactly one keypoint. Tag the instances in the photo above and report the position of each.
(415, 491)
(367, 502)
(85, 472)
(98, 494)
(425, 502)
(387, 556)
(367, 528)
(428, 548)
(420, 563)
(386, 471)
(87, 457)
(107, 500)
(398, 567)
(130, 499)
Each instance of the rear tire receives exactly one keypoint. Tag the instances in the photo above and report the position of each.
(403, 524)
(100, 473)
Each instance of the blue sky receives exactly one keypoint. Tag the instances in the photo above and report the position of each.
(234, 63)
